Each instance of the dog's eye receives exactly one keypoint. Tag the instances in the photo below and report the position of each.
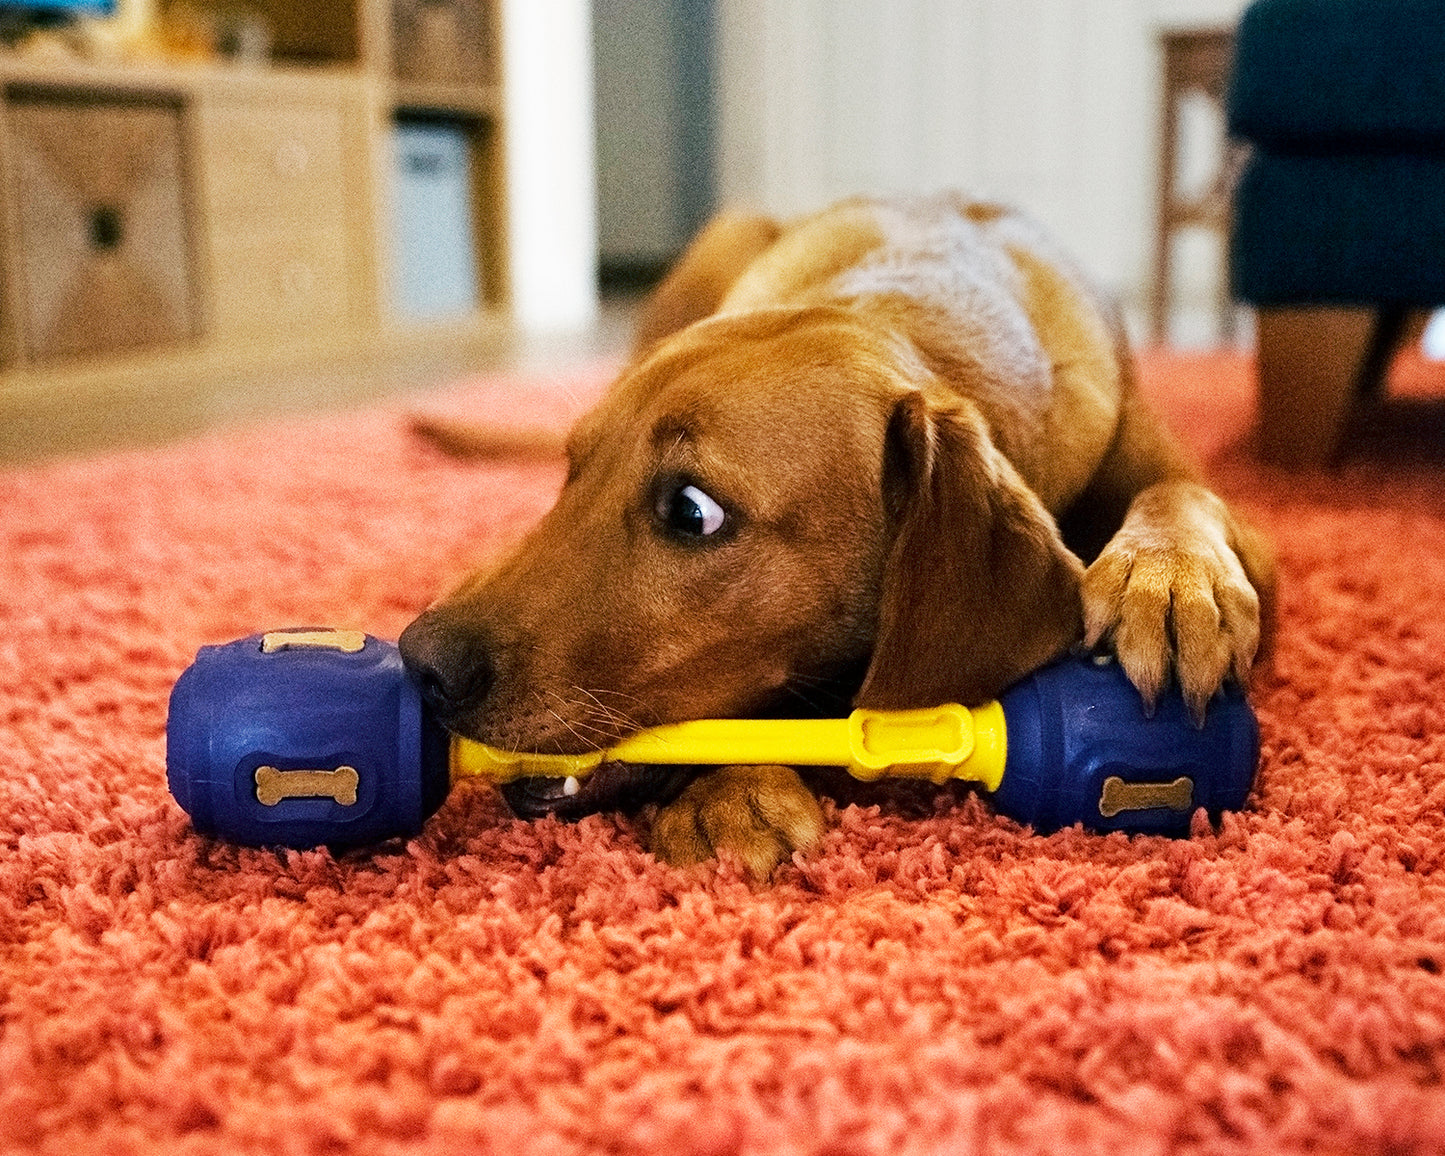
(687, 510)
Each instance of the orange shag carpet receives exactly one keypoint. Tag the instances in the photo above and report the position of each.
(934, 979)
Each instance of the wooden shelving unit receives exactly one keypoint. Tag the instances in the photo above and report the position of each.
(259, 224)
(482, 103)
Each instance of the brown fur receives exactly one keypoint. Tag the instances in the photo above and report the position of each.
(922, 424)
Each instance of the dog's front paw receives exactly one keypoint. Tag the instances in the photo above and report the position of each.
(760, 814)
(1183, 604)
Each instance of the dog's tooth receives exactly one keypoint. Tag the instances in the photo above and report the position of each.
(571, 786)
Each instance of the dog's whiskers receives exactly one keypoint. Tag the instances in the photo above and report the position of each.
(603, 723)
(797, 693)
(823, 693)
(575, 732)
(609, 713)
(611, 693)
(663, 458)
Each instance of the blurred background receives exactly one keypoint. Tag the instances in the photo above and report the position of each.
(218, 210)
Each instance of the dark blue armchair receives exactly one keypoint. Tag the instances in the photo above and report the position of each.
(1338, 237)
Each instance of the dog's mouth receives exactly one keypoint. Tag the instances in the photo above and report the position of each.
(612, 786)
(631, 786)
(609, 786)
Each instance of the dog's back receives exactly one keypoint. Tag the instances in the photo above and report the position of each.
(991, 305)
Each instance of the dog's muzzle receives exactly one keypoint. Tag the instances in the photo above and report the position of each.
(611, 787)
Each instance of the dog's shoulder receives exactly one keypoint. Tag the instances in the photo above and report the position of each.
(808, 256)
(994, 308)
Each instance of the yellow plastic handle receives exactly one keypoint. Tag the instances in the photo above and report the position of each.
(937, 743)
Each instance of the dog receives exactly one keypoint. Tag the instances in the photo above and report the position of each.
(889, 455)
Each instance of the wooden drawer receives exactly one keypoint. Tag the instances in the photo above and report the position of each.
(102, 252)
(273, 165)
(266, 284)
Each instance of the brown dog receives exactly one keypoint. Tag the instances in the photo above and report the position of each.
(891, 455)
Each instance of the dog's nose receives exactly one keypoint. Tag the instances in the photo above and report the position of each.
(452, 665)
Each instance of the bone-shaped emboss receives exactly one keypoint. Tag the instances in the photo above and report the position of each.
(346, 641)
(274, 784)
(1120, 796)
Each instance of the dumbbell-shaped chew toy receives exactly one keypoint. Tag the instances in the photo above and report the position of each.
(306, 737)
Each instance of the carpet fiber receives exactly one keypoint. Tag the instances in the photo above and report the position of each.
(934, 979)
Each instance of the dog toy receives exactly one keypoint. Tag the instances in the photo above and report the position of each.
(306, 737)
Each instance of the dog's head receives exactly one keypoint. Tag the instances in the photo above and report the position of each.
(770, 514)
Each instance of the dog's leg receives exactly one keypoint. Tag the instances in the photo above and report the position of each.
(760, 814)
(703, 275)
(1183, 586)
(1173, 589)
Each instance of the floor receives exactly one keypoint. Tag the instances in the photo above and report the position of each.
(154, 405)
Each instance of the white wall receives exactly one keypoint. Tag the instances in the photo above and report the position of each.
(550, 170)
(654, 64)
(637, 131)
(1048, 104)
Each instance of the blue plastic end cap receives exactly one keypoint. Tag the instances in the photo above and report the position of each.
(302, 746)
(1082, 750)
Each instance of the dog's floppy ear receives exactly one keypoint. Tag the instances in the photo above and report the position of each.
(978, 588)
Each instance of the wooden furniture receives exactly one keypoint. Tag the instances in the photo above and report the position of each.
(449, 42)
(1338, 231)
(205, 212)
(1195, 61)
(101, 251)
(1316, 364)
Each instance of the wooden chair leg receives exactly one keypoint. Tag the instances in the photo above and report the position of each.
(1392, 324)
(1314, 362)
